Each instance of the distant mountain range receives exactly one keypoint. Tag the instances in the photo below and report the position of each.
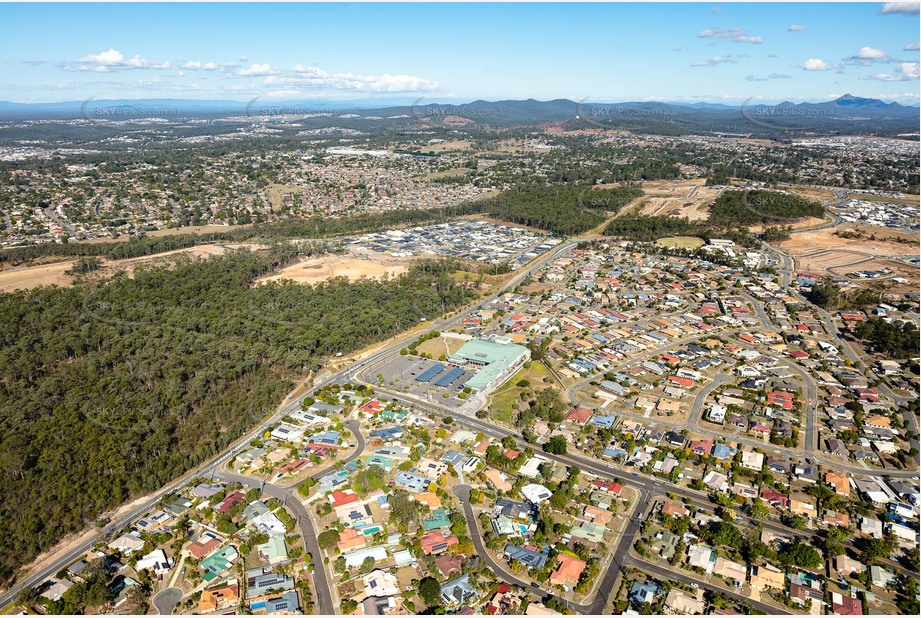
(846, 115)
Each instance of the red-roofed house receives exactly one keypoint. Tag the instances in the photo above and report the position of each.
(775, 498)
(434, 542)
(341, 498)
(702, 446)
(579, 415)
(229, 502)
(843, 605)
(685, 382)
(373, 407)
(569, 572)
(609, 486)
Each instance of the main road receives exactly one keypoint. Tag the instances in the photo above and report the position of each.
(210, 467)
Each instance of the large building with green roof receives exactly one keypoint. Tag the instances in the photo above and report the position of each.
(495, 361)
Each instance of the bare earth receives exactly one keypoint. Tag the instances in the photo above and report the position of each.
(679, 198)
(315, 270)
(821, 252)
(26, 278)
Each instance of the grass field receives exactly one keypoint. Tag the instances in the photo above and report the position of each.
(503, 402)
(681, 242)
(441, 346)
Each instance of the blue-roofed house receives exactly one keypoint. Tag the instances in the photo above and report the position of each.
(603, 421)
(327, 437)
(458, 591)
(388, 433)
(452, 457)
(645, 592)
(721, 451)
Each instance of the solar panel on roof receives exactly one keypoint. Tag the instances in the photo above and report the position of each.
(430, 373)
(448, 378)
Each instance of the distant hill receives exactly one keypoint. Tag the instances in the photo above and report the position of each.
(845, 115)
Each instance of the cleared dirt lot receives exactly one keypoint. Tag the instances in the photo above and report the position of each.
(55, 274)
(823, 252)
(816, 240)
(679, 198)
(317, 269)
(34, 276)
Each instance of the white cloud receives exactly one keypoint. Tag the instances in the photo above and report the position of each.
(796, 28)
(715, 60)
(198, 65)
(905, 72)
(816, 64)
(258, 70)
(912, 47)
(869, 53)
(908, 8)
(716, 10)
(315, 78)
(113, 60)
(244, 58)
(752, 78)
(733, 34)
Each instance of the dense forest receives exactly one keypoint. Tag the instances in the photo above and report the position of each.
(643, 228)
(761, 207)
(892, 339)
(731, 212)
(109, 390)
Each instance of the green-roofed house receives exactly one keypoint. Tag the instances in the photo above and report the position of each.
(589, 531)
(273, 551)
(379, 460)
(438, 519)
(218, 562)
(178, 506)
(494, 360)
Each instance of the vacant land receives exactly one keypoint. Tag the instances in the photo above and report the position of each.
(882, 245)
(34, 276)
(504, 403)
(26, 278)
(317, 269)
(277, 191)
(442, 346)
(681, 242)
(679, 198)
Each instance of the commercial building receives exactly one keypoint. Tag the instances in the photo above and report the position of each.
(494, 360)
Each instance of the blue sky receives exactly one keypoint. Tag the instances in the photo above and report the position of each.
(715, 52)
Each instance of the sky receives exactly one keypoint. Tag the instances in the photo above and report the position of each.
(680, 52)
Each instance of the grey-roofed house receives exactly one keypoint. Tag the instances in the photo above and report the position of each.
(321, 407)
(528, 557)
(458, 591)
(513, 509)
(270, 581)
(412, 482)
(288, 602)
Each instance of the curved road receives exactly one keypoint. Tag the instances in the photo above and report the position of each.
(208, 468)
(166, 600)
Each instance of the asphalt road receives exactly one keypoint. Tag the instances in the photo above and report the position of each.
(211, 467)
(324, 598)
(166, 600)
